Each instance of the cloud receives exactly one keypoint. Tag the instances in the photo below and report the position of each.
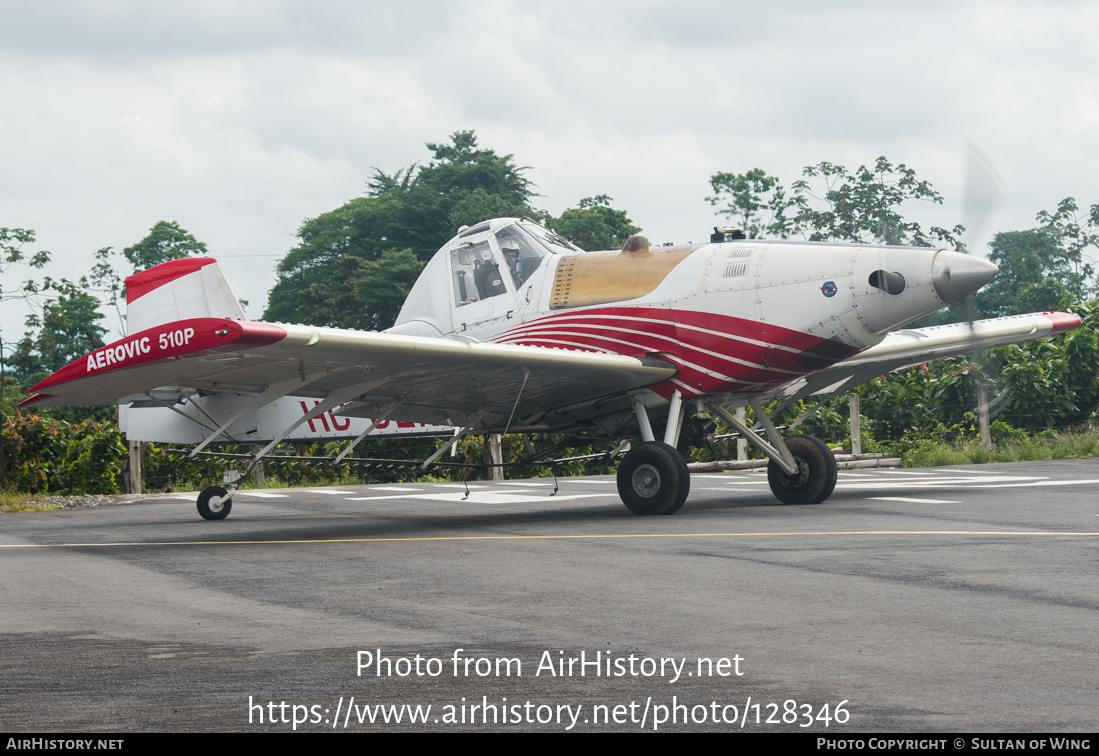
(242, 119)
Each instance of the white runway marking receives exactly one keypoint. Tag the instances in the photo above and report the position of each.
(941, 482)
(328, 491)
(912, 501)
(486, 497)
(396, 488)
(1046, 482)
(261, 494)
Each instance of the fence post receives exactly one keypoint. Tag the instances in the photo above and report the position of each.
(134, 474)
(494, 456)
(982, 415)
(257, 471)
(856, 436)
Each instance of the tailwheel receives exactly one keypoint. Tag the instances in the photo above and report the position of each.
(653, 479)
(815, 478)
(210, 504)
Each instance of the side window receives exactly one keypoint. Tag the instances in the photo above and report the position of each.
(521, 254)
(476, 275)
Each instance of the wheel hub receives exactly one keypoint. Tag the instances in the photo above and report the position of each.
(646, 481)
(798, 479)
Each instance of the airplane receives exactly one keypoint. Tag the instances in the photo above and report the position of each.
(510, 328)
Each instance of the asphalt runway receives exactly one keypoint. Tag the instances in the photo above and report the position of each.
(946, 600)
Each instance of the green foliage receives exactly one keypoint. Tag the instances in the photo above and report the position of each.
(1026, 448)
(831, 203)
(340, 274)
(1035, 275)
(864, 206)
(67, 328)
(12, 241)
(594, 224)
(1044, 267)
(746, 196)
(43, 455)
(165, 241)
(351, 292)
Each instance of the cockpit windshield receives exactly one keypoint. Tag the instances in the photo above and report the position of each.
(556, 243)
(524, 249)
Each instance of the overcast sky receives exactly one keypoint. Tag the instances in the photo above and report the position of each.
(240, 120)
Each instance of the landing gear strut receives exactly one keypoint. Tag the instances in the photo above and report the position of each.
(802, 469)
(653, 479)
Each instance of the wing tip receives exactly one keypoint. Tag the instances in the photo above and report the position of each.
(1062, 321)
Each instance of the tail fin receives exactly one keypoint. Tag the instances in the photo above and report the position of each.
(193, 287)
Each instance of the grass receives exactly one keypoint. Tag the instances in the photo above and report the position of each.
(1067, 445)
(11, 501)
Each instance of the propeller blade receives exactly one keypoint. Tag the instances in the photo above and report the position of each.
(983, 191)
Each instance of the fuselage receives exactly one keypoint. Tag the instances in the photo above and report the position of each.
(739, 317)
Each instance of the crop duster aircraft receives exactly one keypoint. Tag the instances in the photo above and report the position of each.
(511, 328)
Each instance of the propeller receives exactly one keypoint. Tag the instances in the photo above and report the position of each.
(983, 191)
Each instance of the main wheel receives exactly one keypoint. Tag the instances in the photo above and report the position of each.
(653, 479)
(208, 509)
(684, 483)
(833, 469)
(815, 478)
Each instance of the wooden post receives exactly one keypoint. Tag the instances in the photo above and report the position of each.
(137, 455)
(741, 443)
(257, 471)
(982, 415)
(494, 456)
(856, 437)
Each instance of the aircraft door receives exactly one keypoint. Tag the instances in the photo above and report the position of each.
(481, 290)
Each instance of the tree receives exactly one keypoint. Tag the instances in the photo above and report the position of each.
(353, 263)
(594, 224)
(165, 241)
(67, 328)
(746, 196)
(1034, 276)
(830, 203)
(1042, 268)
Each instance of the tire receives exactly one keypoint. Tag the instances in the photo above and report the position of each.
(684, 483)
(213, 512)
(816, 476)
(653, 479)
(833, 469)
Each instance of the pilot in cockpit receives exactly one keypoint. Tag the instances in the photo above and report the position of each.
(511, 256)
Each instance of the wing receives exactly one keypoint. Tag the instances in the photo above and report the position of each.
(910, 347)
(434, 380)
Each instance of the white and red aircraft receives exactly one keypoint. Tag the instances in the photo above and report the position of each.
(510, 328)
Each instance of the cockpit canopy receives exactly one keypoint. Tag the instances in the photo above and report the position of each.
(490, 259)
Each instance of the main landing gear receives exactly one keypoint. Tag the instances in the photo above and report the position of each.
(653, 478)
(815, 478)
